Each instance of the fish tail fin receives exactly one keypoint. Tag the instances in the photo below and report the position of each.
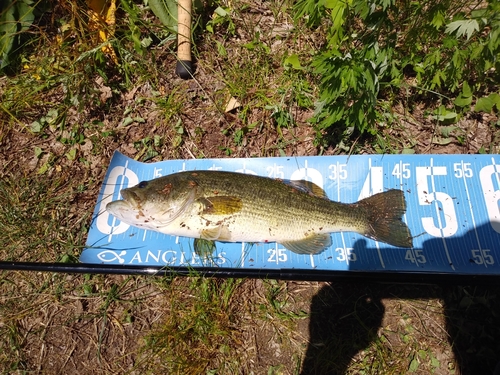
(384, 212)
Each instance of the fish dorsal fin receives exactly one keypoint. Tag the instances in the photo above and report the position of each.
(220, 205)
(310, 245)
(307, 187)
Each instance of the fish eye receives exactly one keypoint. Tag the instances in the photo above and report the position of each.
(142, 184)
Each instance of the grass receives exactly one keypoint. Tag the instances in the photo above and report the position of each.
(32, 214)
(67, 106)
(206, 333)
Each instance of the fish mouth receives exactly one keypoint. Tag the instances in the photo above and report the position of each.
(158, 214)
(130, 198)
(117, 207)
(129, 202)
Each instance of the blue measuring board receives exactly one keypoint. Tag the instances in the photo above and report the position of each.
(453, 213)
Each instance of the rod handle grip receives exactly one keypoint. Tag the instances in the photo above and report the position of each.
(184, 68)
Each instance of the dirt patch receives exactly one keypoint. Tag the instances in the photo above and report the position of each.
(57, 324)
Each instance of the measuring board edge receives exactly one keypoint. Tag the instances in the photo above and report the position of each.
(452, 210)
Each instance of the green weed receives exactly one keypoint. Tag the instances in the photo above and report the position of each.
(31, 213)
(199, 329)
(16, 18)
(374, 48)
(67, 106)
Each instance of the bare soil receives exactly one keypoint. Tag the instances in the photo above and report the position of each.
(456, 329)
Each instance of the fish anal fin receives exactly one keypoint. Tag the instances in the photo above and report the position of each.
(313, 244)
(217, 233)
(220, 205)
(384, 212)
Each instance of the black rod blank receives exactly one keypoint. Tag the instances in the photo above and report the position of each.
(402, 277)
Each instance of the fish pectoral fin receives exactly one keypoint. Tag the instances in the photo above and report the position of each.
(218, 233)
(220, 205)
(310, 245)
(204, 248)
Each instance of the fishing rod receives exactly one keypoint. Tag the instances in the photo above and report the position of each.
(184, 68)
(401, 277)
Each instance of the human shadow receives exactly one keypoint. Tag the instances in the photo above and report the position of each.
(344, 320)
(346, 316)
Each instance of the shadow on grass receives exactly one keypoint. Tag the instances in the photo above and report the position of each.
(345, 319)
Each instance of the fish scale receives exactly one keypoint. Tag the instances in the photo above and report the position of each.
(235, 207)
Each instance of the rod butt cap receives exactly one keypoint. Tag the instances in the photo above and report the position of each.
(184, 69)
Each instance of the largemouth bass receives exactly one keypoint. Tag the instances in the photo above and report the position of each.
(235, 207)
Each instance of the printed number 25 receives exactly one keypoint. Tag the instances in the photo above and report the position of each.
(277, 255)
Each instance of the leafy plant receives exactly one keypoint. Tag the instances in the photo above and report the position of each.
(221, 16)
(373, 48)
(166, 11)
(488, 103)
(15, 18)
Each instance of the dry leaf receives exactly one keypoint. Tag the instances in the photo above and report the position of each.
(232, 104)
